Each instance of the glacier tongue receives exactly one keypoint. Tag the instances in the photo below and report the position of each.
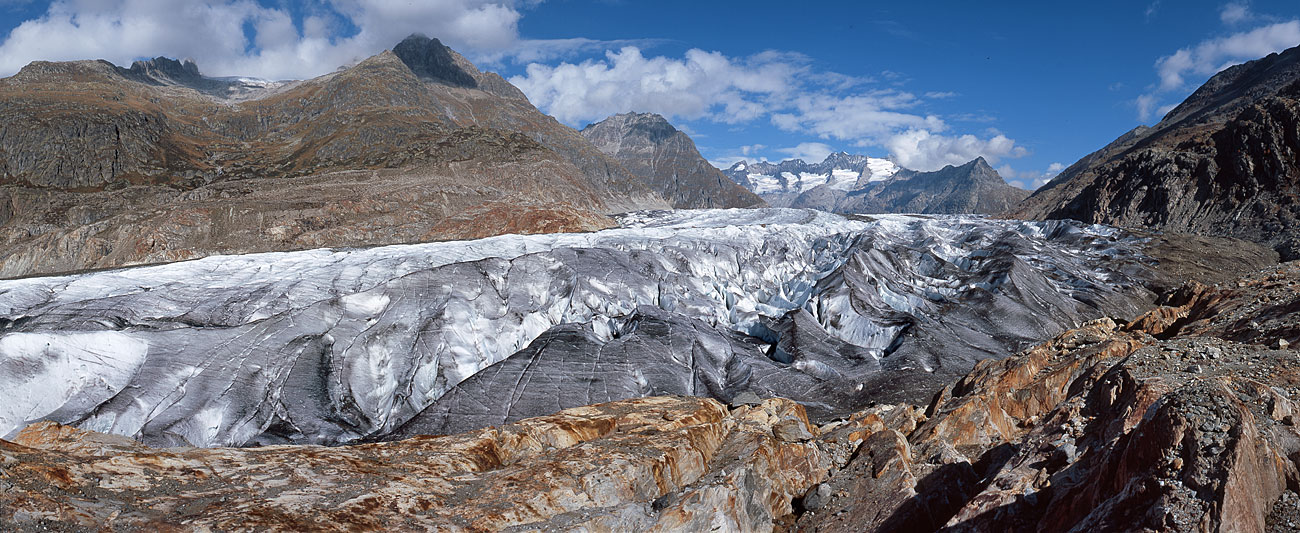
(329, 346)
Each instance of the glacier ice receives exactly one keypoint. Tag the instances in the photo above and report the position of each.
(334, 345)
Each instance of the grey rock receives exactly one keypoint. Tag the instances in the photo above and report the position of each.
(974, 187)
(745, 398)
(816, 497)
(668, 162)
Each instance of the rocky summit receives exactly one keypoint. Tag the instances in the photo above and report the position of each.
(666, 159)
(1224, 162)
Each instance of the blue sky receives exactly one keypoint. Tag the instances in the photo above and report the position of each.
(1032, 86)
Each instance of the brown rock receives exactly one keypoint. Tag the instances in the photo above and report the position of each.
(600, 467)
(102, 166)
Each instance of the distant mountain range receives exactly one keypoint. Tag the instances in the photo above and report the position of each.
(847, 183)
(1225, 162)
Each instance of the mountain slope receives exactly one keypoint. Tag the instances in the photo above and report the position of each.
(649, 147)
(845, 183)
(102, 166)
(970, 188)
(1224, 162)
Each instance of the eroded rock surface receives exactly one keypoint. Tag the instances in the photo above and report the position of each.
(1180, 421)
(653, 464)
(668, 162)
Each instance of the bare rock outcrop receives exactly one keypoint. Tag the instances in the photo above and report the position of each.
(1225, 162)
(653, 464)
(1178, 421)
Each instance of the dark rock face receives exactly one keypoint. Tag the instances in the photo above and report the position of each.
(104, 166)
(429, 59)
(667, 160)
(168, 69)
(1224, 162)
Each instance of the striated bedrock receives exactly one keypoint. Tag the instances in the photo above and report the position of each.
(1178, 421)
(1224, 162)
(651, 464)
(330, 346)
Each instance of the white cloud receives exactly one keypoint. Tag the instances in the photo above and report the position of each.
(780, 87)
(1029, 179)
(809, 152)
(1212, 56)
(1189, 65)
(863, 116)
(1151, 10)
(698, 85)
(1235, 13)
(1145, 104)
(920, 149)
(212, 33)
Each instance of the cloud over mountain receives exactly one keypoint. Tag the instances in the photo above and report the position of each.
(240, 37)
(782, 89)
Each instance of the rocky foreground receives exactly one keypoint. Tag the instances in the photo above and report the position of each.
(1182, 419)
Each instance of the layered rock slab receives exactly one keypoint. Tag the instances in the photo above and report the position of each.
(654, 464)
(1167, 423)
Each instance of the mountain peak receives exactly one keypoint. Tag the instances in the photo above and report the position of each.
(428, 58)
(652, 126)
(650, 147)
(167, 68)
(979, 164)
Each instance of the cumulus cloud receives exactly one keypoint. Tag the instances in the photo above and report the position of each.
(920, 149)
(698, 85)
(782, 88)
(1192, 64)
(243, 37)
(863, 116)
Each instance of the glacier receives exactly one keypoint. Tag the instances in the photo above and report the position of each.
(332, 346)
